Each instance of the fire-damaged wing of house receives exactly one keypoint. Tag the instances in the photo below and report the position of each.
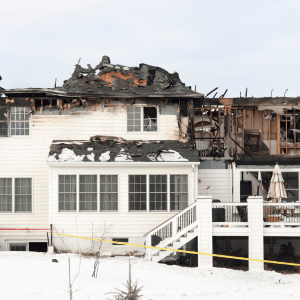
(106, 78)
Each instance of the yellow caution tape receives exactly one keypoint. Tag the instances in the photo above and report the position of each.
(183, 251)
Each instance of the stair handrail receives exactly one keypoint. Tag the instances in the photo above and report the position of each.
(170, 219)
(164, 243)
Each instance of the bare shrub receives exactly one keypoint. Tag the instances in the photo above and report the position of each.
(103, 233)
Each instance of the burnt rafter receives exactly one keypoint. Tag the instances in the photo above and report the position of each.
(107, 78)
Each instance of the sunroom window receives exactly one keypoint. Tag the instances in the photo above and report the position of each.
(88, 192)
(67, 193)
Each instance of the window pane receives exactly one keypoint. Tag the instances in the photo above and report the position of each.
(109, 192)
(19, 117)
(137, 192)
(67, 193)
(134, 118)
(88, 192)
(178, 192)
(150, 119)
(158, 192)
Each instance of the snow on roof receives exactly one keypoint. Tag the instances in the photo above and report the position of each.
(115, 149)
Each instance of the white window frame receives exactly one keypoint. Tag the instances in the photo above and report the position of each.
(13, 197)
(98, 195)
(148, 193)
(97, 192)
(9, 126)
(142, 119)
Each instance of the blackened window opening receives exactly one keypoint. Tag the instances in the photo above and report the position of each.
(150, 119)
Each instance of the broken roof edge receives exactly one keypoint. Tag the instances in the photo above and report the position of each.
(126, 163)
(56, 92)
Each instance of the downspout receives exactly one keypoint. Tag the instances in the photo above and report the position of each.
(49, 200)
(193, 187)
(233, 181)
(230, 182)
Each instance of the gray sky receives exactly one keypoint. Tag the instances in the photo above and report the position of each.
(230, 44)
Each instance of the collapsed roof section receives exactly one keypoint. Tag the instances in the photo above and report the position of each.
(108, 80)
(115, 149)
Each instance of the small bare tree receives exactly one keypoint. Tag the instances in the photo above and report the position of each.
(132, 291)
(104, 232)
(71, 283)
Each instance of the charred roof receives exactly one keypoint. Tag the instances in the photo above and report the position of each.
(116, 149)
(109, 80)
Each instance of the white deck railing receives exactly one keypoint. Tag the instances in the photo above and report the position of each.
(229, 213)
(286, 213)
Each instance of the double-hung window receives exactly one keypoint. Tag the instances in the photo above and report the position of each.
(15, 195)
(141, 118)
(3, 121)
(138, 192)
(14, 121)
(67, 193)
(158, 192)
(92, 190)
(108, 192)
(88, 192)
(160, 197)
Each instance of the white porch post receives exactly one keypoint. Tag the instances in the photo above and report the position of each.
(148, 250)
(256, 237)
(204, 215)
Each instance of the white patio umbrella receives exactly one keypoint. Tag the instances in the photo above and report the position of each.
(276, 189)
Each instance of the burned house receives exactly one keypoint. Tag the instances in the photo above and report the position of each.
(111, 145)
(136, 148)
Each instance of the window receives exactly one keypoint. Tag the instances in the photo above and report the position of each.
(17, 193)
(88, 192)
(178, 192)
(19, 121)
(150, 119)
(108, 192)
(123, 240)
(6, 194)
(67, 192)
(136, 116)
(158, 198)
(17, 246)
(23, 195)
(3, 121)
(291, 184)
(137, 193)
(158, 192)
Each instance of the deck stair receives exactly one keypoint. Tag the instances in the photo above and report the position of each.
(173, 233)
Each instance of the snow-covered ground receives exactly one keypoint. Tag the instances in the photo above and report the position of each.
(27, 275)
